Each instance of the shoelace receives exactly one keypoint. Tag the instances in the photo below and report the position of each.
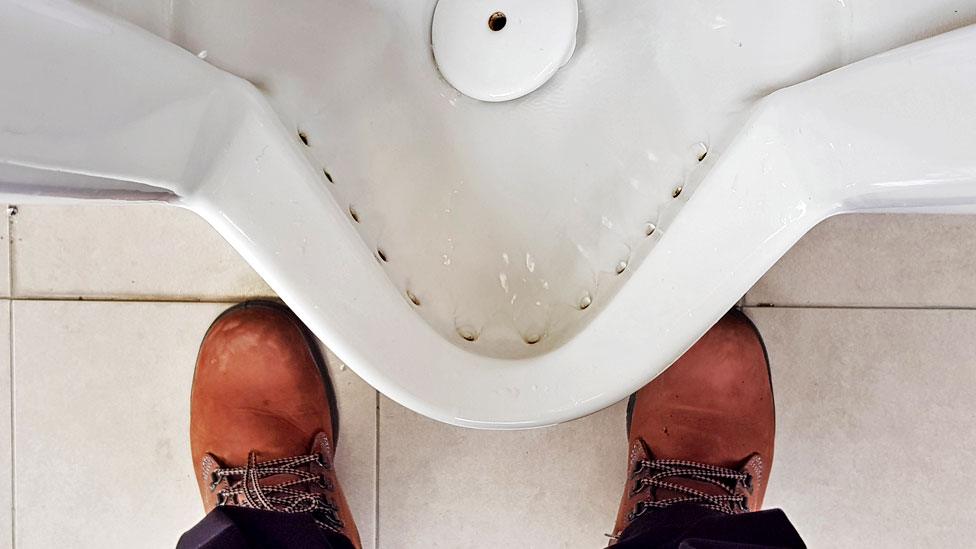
(655, 474)
(245, 487)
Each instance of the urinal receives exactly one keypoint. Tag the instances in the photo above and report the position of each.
(501, 214)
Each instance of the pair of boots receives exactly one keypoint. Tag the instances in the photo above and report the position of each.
(263, 425)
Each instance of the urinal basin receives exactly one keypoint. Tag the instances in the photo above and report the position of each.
(497, 264)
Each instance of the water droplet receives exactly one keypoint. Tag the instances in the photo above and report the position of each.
(203, 54)
(529, 263)
(505, 258)
(446, 259)
(503, 279)
(606, 222)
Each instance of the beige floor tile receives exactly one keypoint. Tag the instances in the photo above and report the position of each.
(877, 260)
(125, 251)
(443, 486)
(101, 396)
(6, 457)
(876, 443)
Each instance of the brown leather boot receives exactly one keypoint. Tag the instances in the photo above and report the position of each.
(263, 421)
(702, 432)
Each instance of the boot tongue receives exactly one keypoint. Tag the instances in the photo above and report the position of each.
(274, 480)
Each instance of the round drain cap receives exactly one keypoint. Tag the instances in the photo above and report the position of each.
(498, 50)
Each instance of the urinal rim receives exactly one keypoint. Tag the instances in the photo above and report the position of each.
(672, 297)
(335, 285)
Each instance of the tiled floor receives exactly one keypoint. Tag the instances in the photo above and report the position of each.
(102, 308)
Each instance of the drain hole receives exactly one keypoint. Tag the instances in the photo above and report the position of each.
(353, 213)
(327, 175)
(649, 229)
(585, 301)
(303, 137)
(413, 298)
(677, 191)
(381, 254)
(467, 333)
(621, 266)
(496, 21)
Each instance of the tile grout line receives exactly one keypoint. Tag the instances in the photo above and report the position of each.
(13, 476)
(240, 299)
(10, 249)
(376, 473)
(862, 307)
(11, 211)
(124, 299)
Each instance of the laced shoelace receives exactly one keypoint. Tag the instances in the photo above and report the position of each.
(245, 489)
(653, 474)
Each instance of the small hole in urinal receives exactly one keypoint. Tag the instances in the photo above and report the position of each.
(649, 229)
(532, 339)
(702, 151)
(413, 298)
(303, 137)
(677, 191)
(621, 266)
(327, 175)
(585, 301)
(467, 333)
(353, 213)
(381, 254)
(496, 21)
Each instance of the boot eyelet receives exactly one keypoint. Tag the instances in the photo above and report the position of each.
(214, 480)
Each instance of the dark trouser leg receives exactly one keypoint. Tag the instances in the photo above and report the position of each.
(241, 528)
(694, 527)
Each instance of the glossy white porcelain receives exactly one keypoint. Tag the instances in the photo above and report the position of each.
(510, 264)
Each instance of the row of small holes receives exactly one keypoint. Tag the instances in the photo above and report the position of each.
(354, 214)
(469, 335)
(304, 139)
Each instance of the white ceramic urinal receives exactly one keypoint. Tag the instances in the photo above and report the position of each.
(544, 243)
